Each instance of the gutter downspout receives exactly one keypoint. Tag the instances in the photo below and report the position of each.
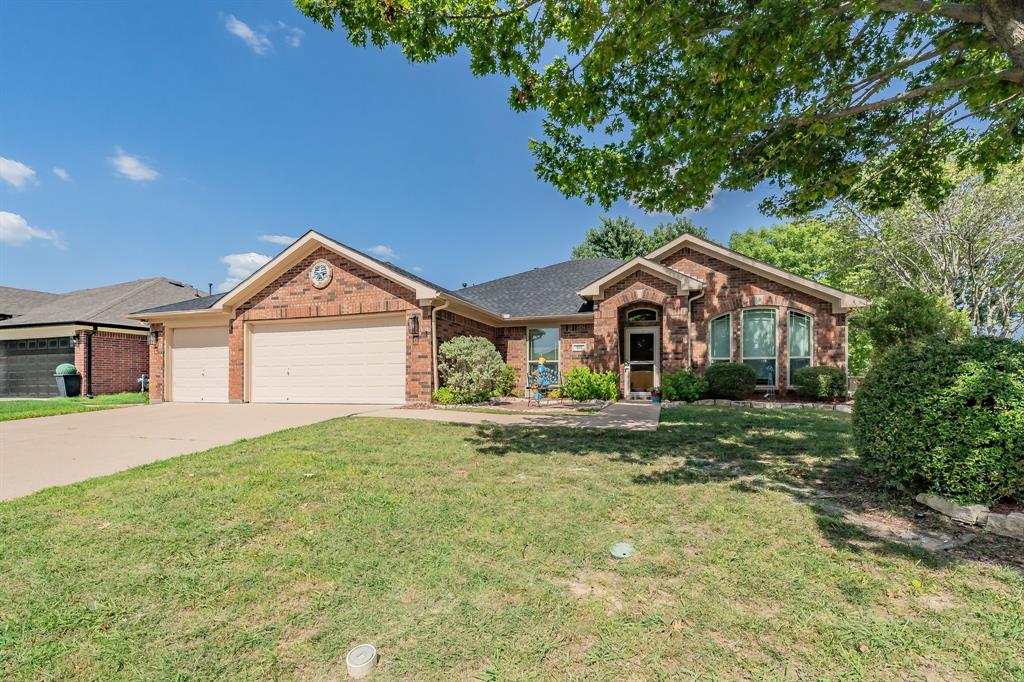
(433, 340)
(689, 327)
(88, 361)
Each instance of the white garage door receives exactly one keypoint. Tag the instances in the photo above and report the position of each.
(199, 365)
(340, 361)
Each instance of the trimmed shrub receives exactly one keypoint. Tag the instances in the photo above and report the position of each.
(820, 383)
(448, 396)
(730, 380)
(470, 366)
(583, 383)
(946, 417)
(683, 385)
(507, 382)
(908, 315)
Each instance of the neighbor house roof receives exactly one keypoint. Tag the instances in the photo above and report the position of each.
(548, 291)
(201, 303)
(20, 301)
(106, 305)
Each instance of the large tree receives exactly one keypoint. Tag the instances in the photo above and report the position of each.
(969, 249)
(660, 102)
(622, 238)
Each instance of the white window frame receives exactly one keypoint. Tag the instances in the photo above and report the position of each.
(711, 358)
(558, 349)
(743, 355)
(789, 344)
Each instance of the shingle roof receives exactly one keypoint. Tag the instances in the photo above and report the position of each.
(20, 301)
(106, 305)
(543, 291)
(201, 303)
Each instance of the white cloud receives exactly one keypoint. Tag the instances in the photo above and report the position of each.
(132, 167)
(256, 40)
(62, 174)
(292, 36)
(15, 230)
(417, 268)
(240, 266)
(382, 251)
(15, 173)
(276, 239)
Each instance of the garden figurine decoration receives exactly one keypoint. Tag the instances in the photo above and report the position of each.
(540, 380)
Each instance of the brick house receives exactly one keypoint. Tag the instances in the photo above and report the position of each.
(87, 328)
(323, 322)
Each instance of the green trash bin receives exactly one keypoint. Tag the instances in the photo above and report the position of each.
(69, 381)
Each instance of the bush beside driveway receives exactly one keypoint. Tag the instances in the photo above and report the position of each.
(467, 551)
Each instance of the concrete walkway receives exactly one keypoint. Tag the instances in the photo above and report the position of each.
(47, 451)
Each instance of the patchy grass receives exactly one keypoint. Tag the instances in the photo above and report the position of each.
(480, 552)
(24, 409)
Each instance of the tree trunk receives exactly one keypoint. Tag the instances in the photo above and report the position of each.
(1005, 20)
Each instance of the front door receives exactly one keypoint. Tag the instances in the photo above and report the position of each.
(643, 360)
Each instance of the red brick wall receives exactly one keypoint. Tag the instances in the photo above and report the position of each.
(353, 290)
(450, 325)
(156, 364)
(731, 289)
(511, 343)
(118, 360)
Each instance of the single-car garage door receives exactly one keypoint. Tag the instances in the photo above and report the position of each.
(359, 360)
(199, 365)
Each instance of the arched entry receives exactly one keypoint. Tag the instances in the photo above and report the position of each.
(641, 335)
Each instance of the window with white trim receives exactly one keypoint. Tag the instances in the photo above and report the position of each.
(642, 315)
(759, 344)
(543, 343)
(799, 342)
(720, 339)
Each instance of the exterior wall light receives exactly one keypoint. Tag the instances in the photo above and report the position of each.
(414, 325)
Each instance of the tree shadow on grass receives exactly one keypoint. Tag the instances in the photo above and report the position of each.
(805, 454)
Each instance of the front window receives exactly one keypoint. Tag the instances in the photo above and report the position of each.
(642, 315)
(759, 347)
(721, 339)
(799, 342)
(543, 344)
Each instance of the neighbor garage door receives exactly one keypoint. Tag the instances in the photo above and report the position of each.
(361, 360)
(26, 366)
(199, 365)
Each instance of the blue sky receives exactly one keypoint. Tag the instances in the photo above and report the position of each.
(143, 139)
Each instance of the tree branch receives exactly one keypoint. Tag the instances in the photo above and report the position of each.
(968, 14)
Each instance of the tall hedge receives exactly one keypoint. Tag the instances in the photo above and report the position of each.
(730, 380)
(946, 417)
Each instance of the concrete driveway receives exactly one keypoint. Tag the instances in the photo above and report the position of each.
(48, 451)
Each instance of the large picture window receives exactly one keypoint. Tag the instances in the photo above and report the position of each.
(759, 344)
(799, 343)
(543, 344)
(720, 342)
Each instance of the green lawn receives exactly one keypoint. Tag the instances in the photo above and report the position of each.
(23, 409)
(480, 552)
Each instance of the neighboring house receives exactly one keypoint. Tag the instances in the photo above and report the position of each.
(87, 328)
(323, 322)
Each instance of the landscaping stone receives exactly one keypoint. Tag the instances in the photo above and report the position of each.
(844, 408)
(1008, 525)
(972, 513)
(706, 401)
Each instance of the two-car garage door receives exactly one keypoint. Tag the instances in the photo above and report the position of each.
(359, 360)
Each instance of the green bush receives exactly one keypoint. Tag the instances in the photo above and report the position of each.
(470, 366)
(906, 315)
(448, 396)
(582, 383)
(730, 380)
(683, 385)
(507, 383)
(820, 383)
(946, 417)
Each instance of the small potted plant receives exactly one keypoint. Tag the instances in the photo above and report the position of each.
(656, 394)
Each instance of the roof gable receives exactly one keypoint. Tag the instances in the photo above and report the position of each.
(841, 300)
(301, 248)
(684, 282)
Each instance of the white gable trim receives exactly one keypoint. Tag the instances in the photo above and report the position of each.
(301, 248)
(684, 282)
(841, 301)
